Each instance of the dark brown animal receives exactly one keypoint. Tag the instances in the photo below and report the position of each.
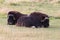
(13, 16)
(40, 18)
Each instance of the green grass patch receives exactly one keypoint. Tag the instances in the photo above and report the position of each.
(3, 15)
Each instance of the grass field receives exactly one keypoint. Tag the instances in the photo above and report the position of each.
(12, 32)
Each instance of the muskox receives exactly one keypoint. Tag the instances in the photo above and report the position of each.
(27, 21)
(13, 16)
(41, 18)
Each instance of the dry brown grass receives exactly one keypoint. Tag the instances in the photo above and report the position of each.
(12, 32)
(21, 33)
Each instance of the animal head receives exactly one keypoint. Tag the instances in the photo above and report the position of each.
(11, 19)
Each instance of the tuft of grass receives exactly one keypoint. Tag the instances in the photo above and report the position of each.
(14, 4)
(57, 17)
